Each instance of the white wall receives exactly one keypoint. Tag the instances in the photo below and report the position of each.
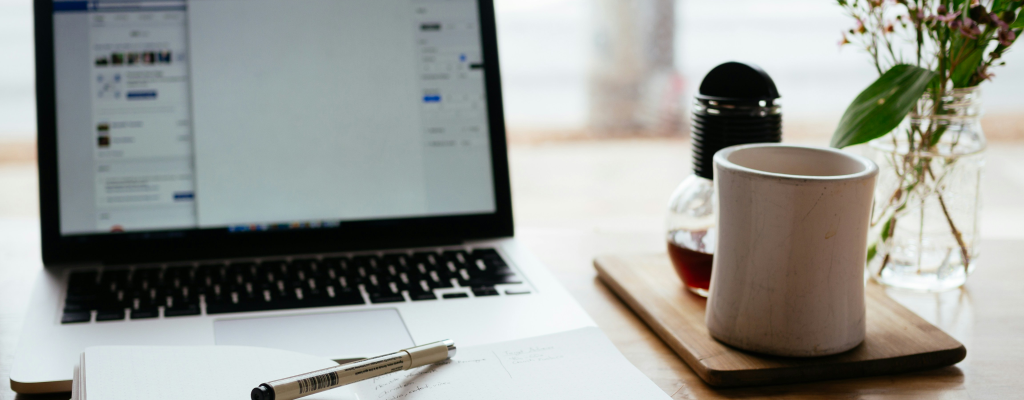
(17, 70)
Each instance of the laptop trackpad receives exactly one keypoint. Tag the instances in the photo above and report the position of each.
(338, 335)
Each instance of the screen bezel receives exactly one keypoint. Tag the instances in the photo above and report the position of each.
(191, 244)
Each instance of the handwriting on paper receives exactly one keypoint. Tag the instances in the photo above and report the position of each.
(580, 364)
(420, 380)
(532, 354)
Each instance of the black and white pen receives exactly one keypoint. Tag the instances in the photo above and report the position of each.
(329, 378)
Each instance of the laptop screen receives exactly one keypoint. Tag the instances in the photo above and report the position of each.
(254, 115)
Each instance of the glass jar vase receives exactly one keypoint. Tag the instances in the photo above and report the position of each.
(925, 218)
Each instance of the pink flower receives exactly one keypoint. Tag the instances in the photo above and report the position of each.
(999, 21)
(860, 26)
(1006, 37)
(844, 40)
(984, 74)
(969, 29)
(948, 18)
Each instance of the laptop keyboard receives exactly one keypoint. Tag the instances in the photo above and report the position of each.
(145, 292)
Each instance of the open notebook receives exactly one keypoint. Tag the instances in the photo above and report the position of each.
(576, 364)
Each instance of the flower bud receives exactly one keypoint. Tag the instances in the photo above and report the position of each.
(979, 15)
(1006, 37)
(1008, 17)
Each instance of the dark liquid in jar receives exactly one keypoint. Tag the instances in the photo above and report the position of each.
(692, 266)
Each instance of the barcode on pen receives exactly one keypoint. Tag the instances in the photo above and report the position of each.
(318, 382)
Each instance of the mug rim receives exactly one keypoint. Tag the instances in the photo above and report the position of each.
(721, 159)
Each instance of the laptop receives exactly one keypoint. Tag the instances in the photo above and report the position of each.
(322, 176)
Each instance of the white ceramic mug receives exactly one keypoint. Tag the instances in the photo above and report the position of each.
(788, 273)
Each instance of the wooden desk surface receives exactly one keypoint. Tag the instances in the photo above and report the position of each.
(574, 201)
(987, 316)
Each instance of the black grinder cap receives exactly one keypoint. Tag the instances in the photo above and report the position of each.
(736, 105)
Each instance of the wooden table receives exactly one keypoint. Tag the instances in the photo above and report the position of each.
(987, 317)
(574, 201)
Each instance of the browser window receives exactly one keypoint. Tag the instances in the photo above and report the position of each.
(268, 114)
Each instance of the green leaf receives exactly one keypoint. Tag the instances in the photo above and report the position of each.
(886, 228)
(941, 130)
(882, 106)
(964, 73)
(960, 5)
(1018, 23)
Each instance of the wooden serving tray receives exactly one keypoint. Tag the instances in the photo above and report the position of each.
(897, 339)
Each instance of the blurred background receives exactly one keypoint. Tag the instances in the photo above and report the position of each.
(591, 86)
(598, 68)
(592, 68)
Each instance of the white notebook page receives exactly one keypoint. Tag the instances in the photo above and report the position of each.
(194, 373)
(579, 364)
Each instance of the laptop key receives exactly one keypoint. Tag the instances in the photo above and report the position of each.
(177, 277)
(110, 314)
(182, 303)
(80, 302)
(143, 313)
(366, 264)
(112, 301)
(219, 301)
(493, 280)
(80, 298)
(454, 295)
(395, 258)
(182, 310)
(385, 293)
(74, 317)
(458, 257)
(489, 257)
(144, 279)
(210, 274)
(337, 296)
(423, 263)
(419, 296)
(76, 307)
(481, 291)
(388, 298)
(436, 280)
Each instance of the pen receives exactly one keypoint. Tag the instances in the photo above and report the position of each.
(329, 378)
